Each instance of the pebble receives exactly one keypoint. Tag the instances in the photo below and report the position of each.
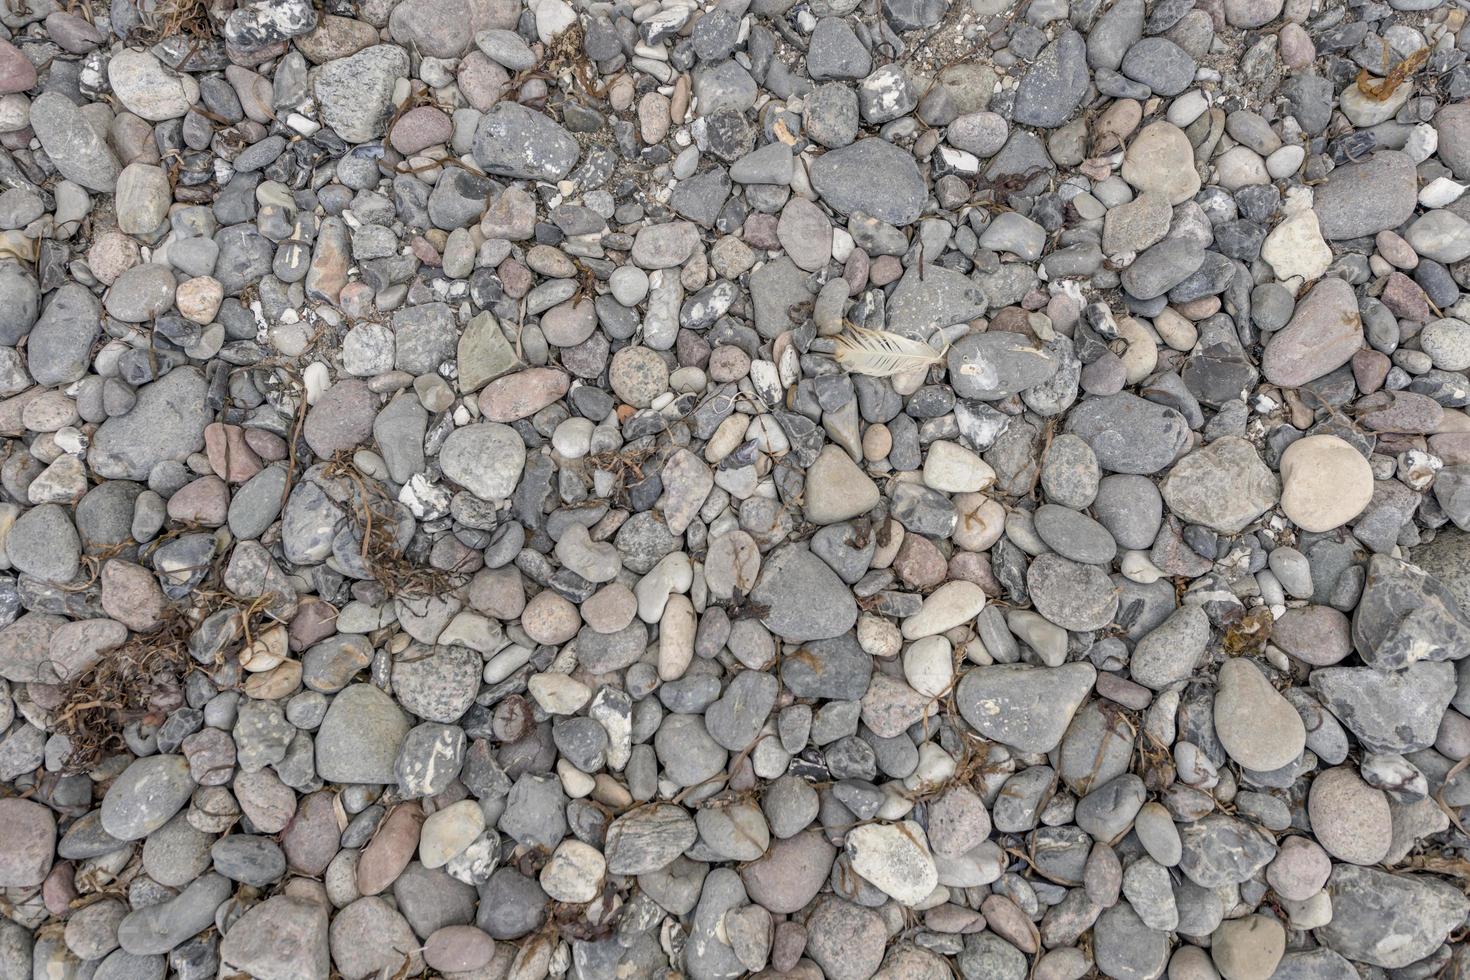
(1248, 948)
(1323, 334)
(145, 796)
(1223, 486)
(1325, 483)
(29, 833)
(1351, 819)
(895, 859)
(1257, 727)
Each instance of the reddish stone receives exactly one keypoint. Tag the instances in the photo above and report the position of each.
(1369, 369)
(130, 595)
(60, 890)
(267, 445)
(523, 394)
(420, 128)
(514, 278)
(312, 838)
(206, 502)
(1406, 299)
(855, 271)
(27, 843)
(315, 620)
(760, 232)
(390, 850)
(229, 452)
(885, 269)
(16, 71)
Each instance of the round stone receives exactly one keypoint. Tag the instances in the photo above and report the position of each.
(638, 375)
(1325, 483)
(1350, 818)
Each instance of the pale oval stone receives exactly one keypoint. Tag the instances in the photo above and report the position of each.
(449, 831)
(952, 468)
(574, 873)
(948, 606)
(1325, 483)
(1161, 159)
(1256, 725)
(895, 859)
(1248, 948)
(1295, 248)
(928, 666)
(1350, 819)
(558, 694)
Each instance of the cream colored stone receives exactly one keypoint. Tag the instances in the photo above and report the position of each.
(1325, 483)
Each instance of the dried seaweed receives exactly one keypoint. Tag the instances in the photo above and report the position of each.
(375, 515)
(168, 18)
(140, 681)
(1382, 89)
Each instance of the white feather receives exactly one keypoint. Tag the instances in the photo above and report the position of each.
(882, 354)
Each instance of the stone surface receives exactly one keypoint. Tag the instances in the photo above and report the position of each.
(515, 488)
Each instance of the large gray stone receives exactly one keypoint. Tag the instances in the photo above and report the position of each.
(359, 738)
(355, 94)
(1364, 198)
(1055, 83)
(805, 599)
(1025, 707)
(872, 176)
(1390, 920)
(165, 424)
(514, 141)
(80, 153)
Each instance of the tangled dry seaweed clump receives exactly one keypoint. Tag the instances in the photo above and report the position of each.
(377, 519)
(170, 18)
(136, 684)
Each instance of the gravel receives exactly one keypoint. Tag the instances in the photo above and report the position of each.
(513, 488)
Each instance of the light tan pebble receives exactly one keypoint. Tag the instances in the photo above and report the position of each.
(877, 636)
(1350, 819)
(1325, 482)
(548, 618)
(1248, 948)
(981, 521)
(877, 441)
(198, 299)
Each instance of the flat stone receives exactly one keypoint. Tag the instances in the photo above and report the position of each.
(1055, 84)
(805, 599)
(27, 843)
(1160, 159)
(648, 839)
(895, 858)
(359, 739)
(1388, 711)
(1027, 708)
(1129, 434)
(1364, 198)
(355, 93)
(872, 176)
(1389, 920)
(146, 795)
(514, 141)
(1323, 334)
(486, 458)
(282, 937)
(1257, 726)
(1223, 486)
